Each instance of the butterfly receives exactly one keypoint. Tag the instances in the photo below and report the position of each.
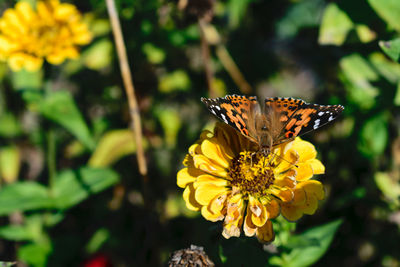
(278, 121)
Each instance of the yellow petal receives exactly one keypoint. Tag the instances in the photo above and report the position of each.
(208, 215)
(313, 187)
(273, 209)
(205, 164)
(248, 227)
(266, 232)
(218, 204)
(25, 11)
(213, 151)
(316, 166)
(206, 192)
(187, 175)
(188, 196)
(284, 194)
(209, 179)
(304, 171)
(305, 149)
(310, 206)
(259, 213)
(291, 213)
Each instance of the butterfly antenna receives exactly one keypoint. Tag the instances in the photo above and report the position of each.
(283, 159)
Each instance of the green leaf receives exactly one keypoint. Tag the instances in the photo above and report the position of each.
(10, 163)
(387, 68)
(35, 254)
(315, 243)
(72, 187)
(301, 14)
(391, 48)
(27, 80)
(154, 54)
(175, 81)
(389, 186)
(236, 10)
(112, 146)
(97, 240)
(357, 75)
(15, 233)
(9, 125)
(170, 120)
(396, 100)
(388, 10)
(98, 55)
(374, 136)
(335, 26)
(22, 196)
(60, 107)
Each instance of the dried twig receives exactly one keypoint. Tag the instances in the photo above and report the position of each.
(128, 84)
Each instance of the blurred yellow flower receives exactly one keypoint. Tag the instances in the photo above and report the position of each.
(226, 180)
(52, 32)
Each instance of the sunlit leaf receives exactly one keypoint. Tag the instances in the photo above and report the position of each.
(171, 123)
(358, 76)
(72, 187)
(335, 26)
(10, 163)
(97, 240)
(26, 80)
(388, 10)
(35, 254)
(23, 196)
(374, 136)
(365, 33)
(237, 9)
(389, 186)
(314, 243)
(112, 146)
(387, 68)
(15, 233)
(391, 48)
(154, 54)
(98, 55)
(301, 14)
(175, 81)
(9, 125)
(60, 107)
(396, 100)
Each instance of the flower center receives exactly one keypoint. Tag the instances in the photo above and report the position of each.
(251, 173)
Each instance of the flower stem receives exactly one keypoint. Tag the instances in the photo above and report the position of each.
(51, 158)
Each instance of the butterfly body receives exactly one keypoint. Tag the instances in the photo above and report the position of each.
(277, 121)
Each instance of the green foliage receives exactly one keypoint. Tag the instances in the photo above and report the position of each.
(306, 248)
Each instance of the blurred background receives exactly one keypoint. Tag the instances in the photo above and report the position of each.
(71, 122)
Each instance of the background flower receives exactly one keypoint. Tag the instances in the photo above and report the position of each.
(53, 32)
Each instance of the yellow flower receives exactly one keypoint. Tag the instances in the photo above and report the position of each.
(52, 32)
(226, 179)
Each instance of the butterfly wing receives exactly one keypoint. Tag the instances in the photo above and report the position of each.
(299, 117)
(234, 110)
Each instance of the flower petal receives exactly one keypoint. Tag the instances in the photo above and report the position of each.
(187, 175)
(258, 210)
(266, 232)
(213, 151)
(206, 192)
(188, 196)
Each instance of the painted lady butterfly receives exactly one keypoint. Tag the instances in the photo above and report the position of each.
(280, 119)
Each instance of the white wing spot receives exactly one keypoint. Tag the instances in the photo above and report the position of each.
(224, 118)
(316, 124)
(213, 112)
(320, 113)
(330, 118)
(217, 107)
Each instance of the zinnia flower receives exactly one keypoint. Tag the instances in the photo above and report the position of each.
(52, 32)
(226, 179)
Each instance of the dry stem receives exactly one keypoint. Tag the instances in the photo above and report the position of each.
(128, 84)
